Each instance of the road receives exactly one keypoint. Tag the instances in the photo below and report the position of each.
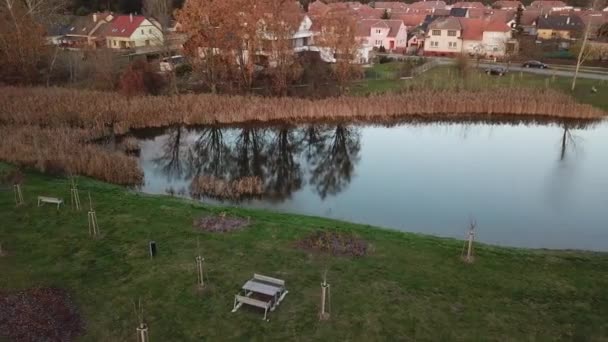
(549, 72)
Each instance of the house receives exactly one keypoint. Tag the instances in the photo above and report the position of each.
(444, 37)
(593, 19)
(489, 37)
(558, 26)
(86, 31)
(389, 34)
(549, 6)
(390, 6)
(409, 20)
(507, 5)
(459, 12)
(428, 7)
(528, 21)
(468, 4)
(133, 31)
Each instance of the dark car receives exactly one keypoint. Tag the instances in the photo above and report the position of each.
(498, 71)
(535, 64)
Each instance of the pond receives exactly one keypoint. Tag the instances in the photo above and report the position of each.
(525, 184)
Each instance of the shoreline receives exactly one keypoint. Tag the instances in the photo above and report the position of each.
(403, 275)
(60, 107)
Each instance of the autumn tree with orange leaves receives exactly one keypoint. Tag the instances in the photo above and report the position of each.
(223, 40)
(338, 37)
(282, 19)
(228, 37)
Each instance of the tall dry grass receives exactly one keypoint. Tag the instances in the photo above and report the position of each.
(56, 107)
(226, 190)
(66, 151)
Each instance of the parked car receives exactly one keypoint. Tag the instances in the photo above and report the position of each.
(496, 70)
(535, 64)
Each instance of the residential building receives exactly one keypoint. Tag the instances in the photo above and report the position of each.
(528, 21)
(132, 32)
(390, 34)
(86, 31)
(390, 6)
(549, 6)
(488, 37)
(507, 5)
(468, 4)
(444, 37)
(558, 26)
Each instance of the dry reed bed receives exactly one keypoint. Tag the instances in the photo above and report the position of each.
(54, 107)
(226, 190)
(65, 151)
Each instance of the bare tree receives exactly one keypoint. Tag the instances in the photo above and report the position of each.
(22, 42)
(585, 50)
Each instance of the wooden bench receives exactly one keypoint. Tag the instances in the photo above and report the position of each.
(52, 200)
(240, 300)
(270, 280)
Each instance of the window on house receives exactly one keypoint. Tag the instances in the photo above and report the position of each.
(142, 31)
(436, 32)
(114, 42)
(452, 45)
(434, 44)
(378, 42)
(452, 33)
(150, 31)
(378, 31)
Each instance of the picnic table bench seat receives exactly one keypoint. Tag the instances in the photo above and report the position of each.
(51, 200)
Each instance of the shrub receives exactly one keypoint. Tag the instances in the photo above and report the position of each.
(183, 70)
(140, 79)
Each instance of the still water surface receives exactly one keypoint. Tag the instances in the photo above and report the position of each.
(527, 185)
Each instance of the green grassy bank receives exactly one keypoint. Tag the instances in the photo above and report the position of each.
(383, 78)
(409, 287)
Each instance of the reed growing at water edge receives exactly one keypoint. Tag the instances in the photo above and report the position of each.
(64, 151)
(55, 107)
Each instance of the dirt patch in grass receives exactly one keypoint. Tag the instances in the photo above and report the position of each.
(40, 314)
(334, 243)
(220, 223)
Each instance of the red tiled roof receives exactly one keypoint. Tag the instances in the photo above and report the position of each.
(472, 29)
(547, 3)
(507, 4)
(529, 17)
(124, 25)
(468, 4)
(392, 5)
(410, 20)
(428, 4)
(318, 8)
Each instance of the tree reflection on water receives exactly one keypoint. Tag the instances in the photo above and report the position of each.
(279, 157)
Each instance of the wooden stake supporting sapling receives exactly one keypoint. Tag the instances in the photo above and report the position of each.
(468, 244)
(74, 196)
(93, 226)
(1, 250)
(142, 328)
(18, 195)
(325, 299)
(200, 271)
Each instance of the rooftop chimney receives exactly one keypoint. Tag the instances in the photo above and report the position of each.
(94, 17)
(131, 17)
(568, 20)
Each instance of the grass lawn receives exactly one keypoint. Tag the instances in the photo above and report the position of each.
(446, 77)
(409, 286)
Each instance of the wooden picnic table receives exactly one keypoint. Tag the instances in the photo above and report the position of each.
(258, 287)
(262, 285)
